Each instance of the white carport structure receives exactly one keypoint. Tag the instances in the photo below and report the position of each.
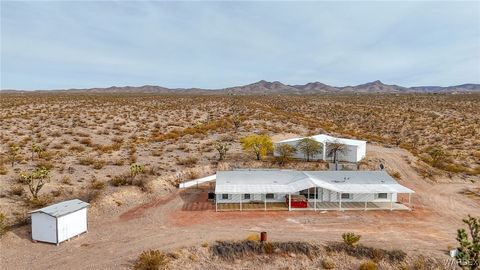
(59, 222)
(324, 190)
(355, 150)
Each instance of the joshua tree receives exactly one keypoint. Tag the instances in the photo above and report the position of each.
(438, 156)
(309, 147)
(222, 149)
(36, 180)
(36, 148)
(334, 149)
(259, 145)
(285, 153)
(237, 121)
(468, 255)
(136, 169)
(13, 153)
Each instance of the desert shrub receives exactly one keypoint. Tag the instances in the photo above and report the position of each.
(44, 164)
(151, 260)
(98, 164)
(369, 265)
(253, 237)
(86, 161)
(268, 247)
(66, 180)
(121, 180)
(188, 161)
(40, 201)
(364, 252)
(328, 263)
(97, 185)
(17, 190)
(3, 170)
(351, 238)
(76, 148)
(230, 250)
(3, 224)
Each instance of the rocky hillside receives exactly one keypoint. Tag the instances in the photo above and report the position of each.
(264, 87)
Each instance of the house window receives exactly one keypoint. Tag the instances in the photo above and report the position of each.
(346, 195)
(382, 195)
(246, 196)
(270, 196)
(224, 196)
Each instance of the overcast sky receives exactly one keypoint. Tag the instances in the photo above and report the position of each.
(56, 45)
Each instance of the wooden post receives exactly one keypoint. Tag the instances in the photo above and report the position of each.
(216, 203)
(289, 202)
(315, 199)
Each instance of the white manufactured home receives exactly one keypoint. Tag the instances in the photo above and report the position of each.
(354, 150)
(308, 190)
(59, 222)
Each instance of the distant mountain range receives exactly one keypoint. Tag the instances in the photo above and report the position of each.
(264, 88)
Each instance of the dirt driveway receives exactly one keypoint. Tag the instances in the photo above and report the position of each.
(183, 218)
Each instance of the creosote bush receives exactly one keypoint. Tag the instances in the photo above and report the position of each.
(328, 263)
(368, 265)
(351, 238)
(151, 260)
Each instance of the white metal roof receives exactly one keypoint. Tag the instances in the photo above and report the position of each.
(323, 138)
(62, 208)
(289, 181)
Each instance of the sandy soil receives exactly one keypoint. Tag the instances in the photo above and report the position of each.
(184, 218)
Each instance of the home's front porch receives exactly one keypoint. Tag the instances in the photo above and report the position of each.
(312, 206)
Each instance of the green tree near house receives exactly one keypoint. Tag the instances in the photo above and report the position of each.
(284, 153)
(310, 148)
(468, 255)
(259, 145)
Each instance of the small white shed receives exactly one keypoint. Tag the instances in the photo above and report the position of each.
(59, 222)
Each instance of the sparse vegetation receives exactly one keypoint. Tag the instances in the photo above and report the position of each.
(469, 244)
(350, 238)
(151, 260)
(3, 224)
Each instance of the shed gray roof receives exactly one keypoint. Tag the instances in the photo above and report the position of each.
(289, 181)
(62, 208)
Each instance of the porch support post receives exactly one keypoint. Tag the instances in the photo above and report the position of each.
(241, 202)
(216, 203)
(265, 202)
(391, 201)
(308, 194)
(366, 199)
(324, 156)
(340, 204)
(315, 199)
(410, 201)
(289, 202)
